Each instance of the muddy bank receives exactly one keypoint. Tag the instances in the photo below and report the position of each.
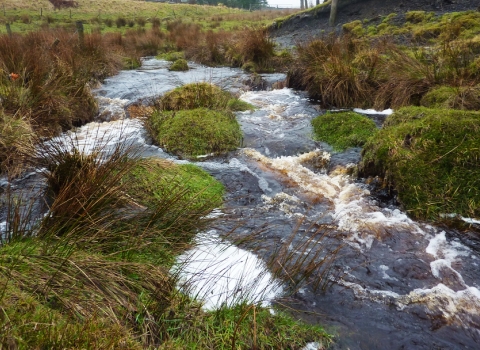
(306, 26)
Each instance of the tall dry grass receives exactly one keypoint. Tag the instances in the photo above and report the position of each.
(344, 71)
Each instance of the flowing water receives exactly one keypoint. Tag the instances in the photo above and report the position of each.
(395, 283)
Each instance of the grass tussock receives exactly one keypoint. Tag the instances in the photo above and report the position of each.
(213, 132)
(74, 280)
(360, 69)
(195, 95)
(343, 130)
(195, 120)
(16, 141)
(179, 65)
(431, 158)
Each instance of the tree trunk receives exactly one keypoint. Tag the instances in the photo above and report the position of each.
(302, 6)
(333, 13)
(306, 4)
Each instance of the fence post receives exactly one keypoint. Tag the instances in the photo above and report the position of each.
(333, 13)
(81, 41)
(9, 30)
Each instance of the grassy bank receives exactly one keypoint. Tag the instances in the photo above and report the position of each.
(431, 158)
(393, 66)
(95, 270)
(121, 15)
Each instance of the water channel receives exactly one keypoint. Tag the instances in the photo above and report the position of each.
(394, 283)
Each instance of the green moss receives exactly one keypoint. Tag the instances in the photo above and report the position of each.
(388, 18)
(196, 132)
(418, 16)
(343, 130)
(431, 157)
(154, 179)
(355, 28)
(466, 98)
(236, 105)
(179, 65)
(195, 95)
(172, 56)
(441, 96)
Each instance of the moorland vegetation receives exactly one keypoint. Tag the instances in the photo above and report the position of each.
(95, 271)
(425, 60)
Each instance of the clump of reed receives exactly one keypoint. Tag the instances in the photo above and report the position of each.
(252, 47)
(348, 71)
(16, 142)
(94, 271)
(340, 71)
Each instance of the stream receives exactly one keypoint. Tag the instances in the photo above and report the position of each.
(393, 283)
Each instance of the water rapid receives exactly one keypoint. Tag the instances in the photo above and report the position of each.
(395, 283)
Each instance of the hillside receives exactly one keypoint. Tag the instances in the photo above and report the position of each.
(314, 22)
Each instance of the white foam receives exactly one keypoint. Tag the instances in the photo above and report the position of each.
(96, 136)
(471, 220)
(385, 276)
(373, 111)
(111, 108)
(439, 247)
(449, 302)
(221, 274)
(285, 203)
(3, 230)
(353, 210)
(313, 346)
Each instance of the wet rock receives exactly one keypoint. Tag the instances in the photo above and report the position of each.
(411, 268)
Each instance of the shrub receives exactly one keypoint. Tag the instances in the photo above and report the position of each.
(431, 158)
(195, 132)
(179, 65)
(344, 129)
(252, 45)
(121, 22)
(108, 22)
(141, 21)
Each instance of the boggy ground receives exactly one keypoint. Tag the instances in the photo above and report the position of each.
(307, 25)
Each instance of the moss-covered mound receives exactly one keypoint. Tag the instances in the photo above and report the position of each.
(198, 95)
(195, 132)
(180, 65)
(343, 130)
(432, 158)
(466, 98)
(155, 179)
